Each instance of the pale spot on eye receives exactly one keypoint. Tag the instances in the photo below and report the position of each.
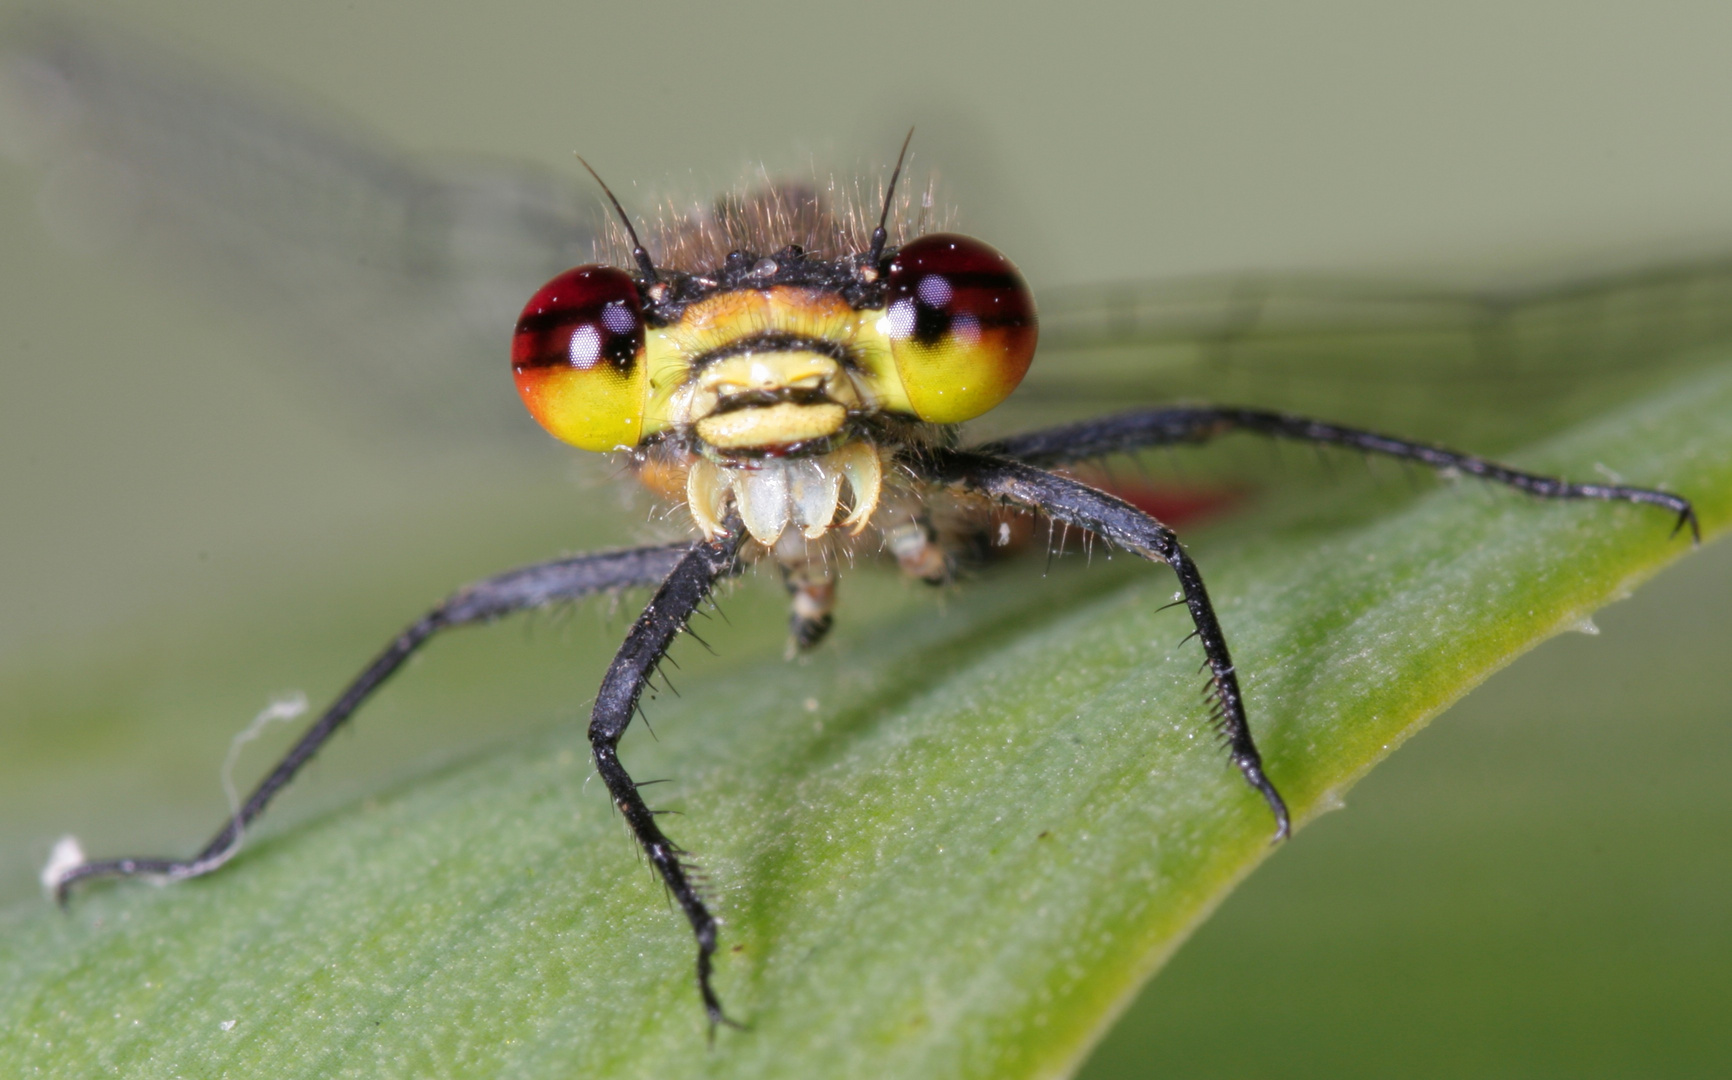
(934, 291)
(617, 319)
(585, 347)
(900, 322)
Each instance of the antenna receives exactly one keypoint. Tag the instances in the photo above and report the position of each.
(644, 263)
(880, 235)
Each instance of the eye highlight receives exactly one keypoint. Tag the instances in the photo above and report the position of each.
(961, 325)
(578, 358)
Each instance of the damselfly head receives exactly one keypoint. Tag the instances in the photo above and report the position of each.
(778, 330)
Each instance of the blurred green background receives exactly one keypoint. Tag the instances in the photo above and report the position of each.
(1534, 887)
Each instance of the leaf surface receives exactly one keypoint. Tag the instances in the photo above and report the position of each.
(951, 845)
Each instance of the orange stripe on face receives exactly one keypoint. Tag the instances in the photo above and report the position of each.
(713, 324)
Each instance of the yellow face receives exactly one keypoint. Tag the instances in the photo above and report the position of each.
(773, 372)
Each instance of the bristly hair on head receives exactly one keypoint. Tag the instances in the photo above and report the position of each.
(829, 219)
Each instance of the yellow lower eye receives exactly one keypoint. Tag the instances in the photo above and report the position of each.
(578, 358)
(961, 325)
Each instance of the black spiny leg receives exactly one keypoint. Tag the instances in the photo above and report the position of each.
(1144, 428)
(1118, 522)
(484, 601)
(665, 617)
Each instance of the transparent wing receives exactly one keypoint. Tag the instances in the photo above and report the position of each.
(1481, 366)
(399, 276)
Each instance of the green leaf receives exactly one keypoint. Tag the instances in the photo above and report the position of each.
(952, 845)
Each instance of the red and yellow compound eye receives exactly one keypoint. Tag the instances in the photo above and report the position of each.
(961, 326)
(578, 358)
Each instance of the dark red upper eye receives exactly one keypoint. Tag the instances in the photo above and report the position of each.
(577, 357)
(950, 277)
(585, 316)
(961, 325)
